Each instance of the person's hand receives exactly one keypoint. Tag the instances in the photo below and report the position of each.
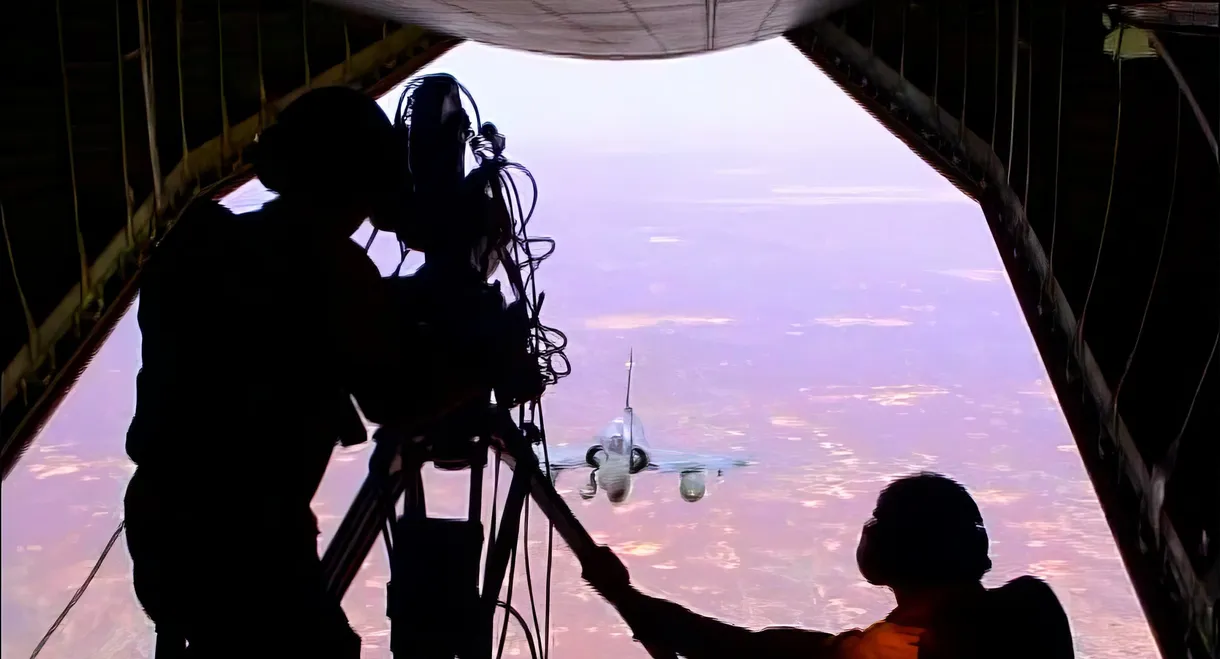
(883, 640)
(608, 576)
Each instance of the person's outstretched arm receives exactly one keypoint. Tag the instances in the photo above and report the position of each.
(663, 624)
(670, 626)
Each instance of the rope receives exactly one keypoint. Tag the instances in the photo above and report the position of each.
(1012, 113)
(902, 54)
(79, 591)
(305, 40)
(224, 104)
(961, 133)
(1029, 104)
(1173, 188)
(347, 53)
(1171, 455)
(1050, 276)
(186, 150)
(936, 67)
(30, 324)
(995, 77)
(262, 84)
(143, 13)
(80, 237)
(1076, 343)
(127, 194)
(872, 29)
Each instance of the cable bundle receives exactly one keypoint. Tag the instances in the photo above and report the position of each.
(521, 258)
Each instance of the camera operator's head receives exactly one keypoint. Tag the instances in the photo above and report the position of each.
(926, 533)
(334, 152)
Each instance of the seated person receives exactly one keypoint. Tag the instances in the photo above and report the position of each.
(926, 542)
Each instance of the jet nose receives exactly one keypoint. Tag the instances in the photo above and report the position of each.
(615, 478)
(618, 496)
(617, 487)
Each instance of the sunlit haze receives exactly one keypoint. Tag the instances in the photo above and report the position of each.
(797, 286)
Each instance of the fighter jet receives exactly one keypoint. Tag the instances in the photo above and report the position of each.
(622, 450)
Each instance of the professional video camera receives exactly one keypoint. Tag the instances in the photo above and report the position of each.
(463, 223)
(467, 225)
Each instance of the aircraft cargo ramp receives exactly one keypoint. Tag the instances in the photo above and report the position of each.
(1086, 131)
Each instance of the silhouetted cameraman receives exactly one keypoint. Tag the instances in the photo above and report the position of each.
(927, 543)
(258, 330)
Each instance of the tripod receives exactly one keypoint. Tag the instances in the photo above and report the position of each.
(455, 621)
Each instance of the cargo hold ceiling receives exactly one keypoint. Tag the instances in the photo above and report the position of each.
(609, 29)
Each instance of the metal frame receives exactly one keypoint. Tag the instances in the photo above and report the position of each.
(1114, 463)
(1204, 124)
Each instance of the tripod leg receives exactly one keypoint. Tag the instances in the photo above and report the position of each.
(521, 459)
(523, 462)
(475, 509)
(505, 540)
(414, 505)
(364, 520)
(501, 550)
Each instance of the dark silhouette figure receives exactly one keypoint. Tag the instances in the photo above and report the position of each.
(926, 541)
(258, 330)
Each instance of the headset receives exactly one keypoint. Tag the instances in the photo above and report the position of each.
(934, 545)
(334, 138)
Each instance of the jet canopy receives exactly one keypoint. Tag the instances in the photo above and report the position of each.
(623, 434)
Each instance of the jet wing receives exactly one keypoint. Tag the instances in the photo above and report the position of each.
(667, 461)
(562, 458)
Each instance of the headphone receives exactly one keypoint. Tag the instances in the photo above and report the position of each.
(932, 546)
(334, 139)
